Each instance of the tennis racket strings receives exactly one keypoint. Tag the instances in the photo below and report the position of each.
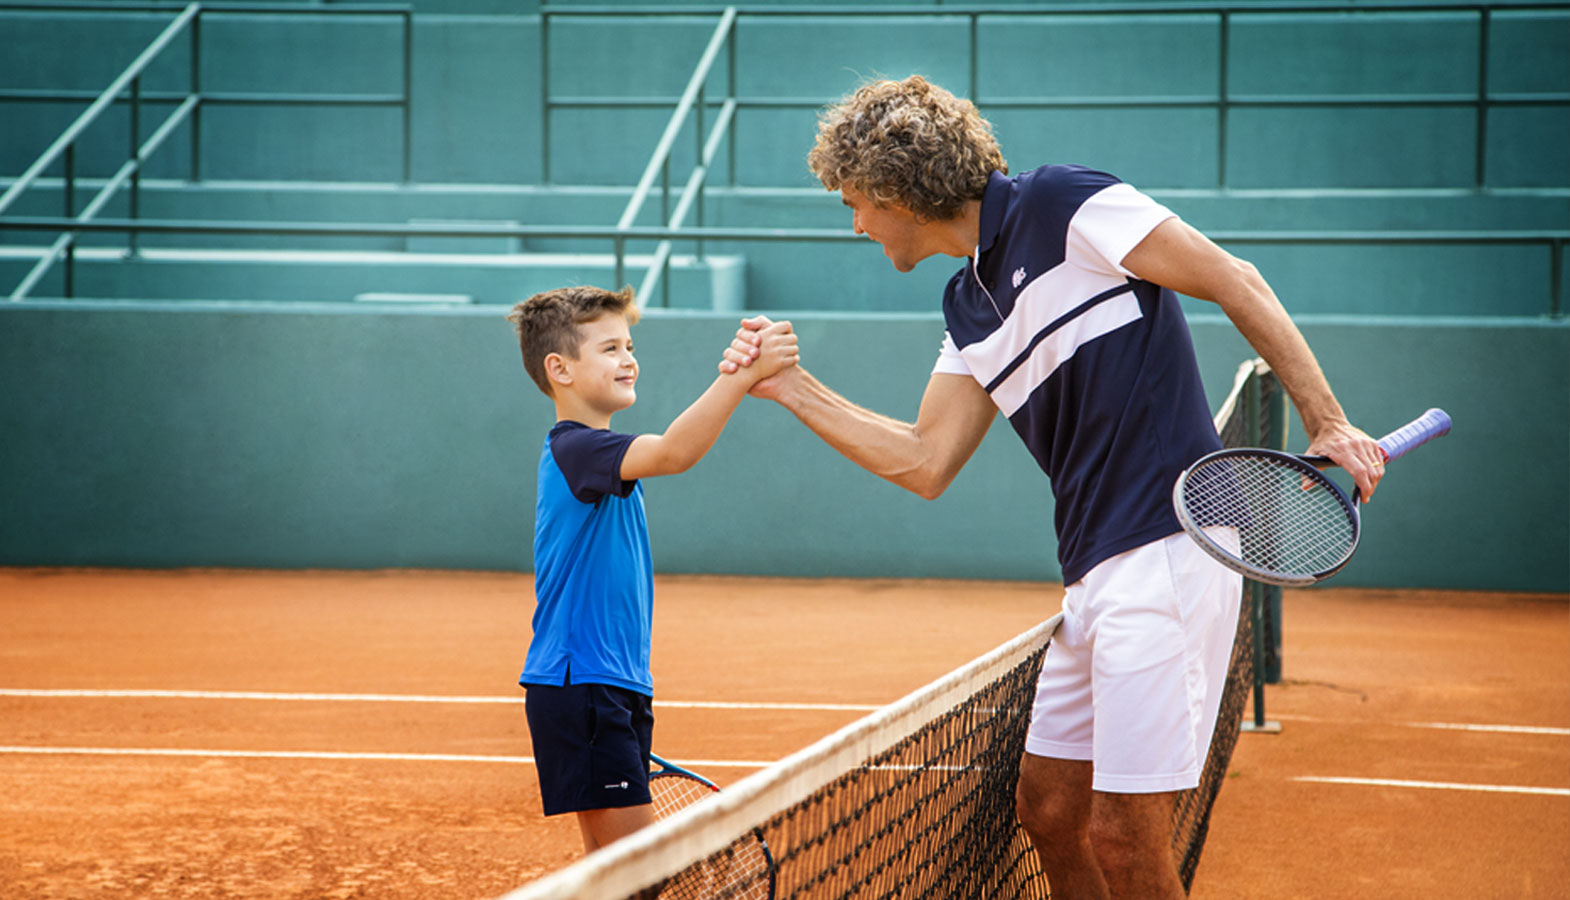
(741, 871)
(1288, 517)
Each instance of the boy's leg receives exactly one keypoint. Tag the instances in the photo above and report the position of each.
(605, 826)
(591, 747)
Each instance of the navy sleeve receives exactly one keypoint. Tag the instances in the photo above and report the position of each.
(590, 460)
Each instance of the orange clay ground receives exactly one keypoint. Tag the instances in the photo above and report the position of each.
(1444, 717)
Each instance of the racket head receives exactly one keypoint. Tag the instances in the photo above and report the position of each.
(743, 870)
(673, 788)
(1271, 516)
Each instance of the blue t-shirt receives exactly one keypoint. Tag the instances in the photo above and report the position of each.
(1093, 367)
(593, 574)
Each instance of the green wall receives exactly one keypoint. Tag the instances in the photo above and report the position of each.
(295, 435)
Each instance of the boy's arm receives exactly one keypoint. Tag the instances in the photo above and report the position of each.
(693, 432)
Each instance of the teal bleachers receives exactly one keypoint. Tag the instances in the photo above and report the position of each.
(1398, 171)
(1303, 112)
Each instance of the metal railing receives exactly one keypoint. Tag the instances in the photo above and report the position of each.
(692, 101)
(1223, 100)
(692, 195)
(694, 104)
(127, 88)
(1554, 241)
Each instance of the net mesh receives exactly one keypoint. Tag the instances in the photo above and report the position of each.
(913, 801)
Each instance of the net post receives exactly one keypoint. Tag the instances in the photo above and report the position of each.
(1258, 596)
(1257, 425)
(1275, 411)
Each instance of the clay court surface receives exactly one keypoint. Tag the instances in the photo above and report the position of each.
(1425, 749)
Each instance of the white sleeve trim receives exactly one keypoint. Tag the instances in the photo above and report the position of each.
(949, 360)
(1110, 224)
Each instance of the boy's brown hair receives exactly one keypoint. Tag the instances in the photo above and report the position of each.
(548, 323)
(907, 142)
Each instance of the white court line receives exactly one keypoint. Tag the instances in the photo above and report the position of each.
(1437, 785)
(263, 754)
(402, 698)
(328, 755)
(668, 704)
(698, 764)
(1446, 726)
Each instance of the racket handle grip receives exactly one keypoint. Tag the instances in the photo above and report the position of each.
(1414, 434)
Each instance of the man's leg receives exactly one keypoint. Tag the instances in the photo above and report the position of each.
(1132, 837)
(1054, 802)
(1095, 845)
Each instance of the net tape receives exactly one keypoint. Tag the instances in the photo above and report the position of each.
(913, 801)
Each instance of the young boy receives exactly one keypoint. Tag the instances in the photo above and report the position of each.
(589, 691)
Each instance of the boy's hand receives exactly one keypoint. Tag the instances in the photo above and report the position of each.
(744, 348)
(776, 349)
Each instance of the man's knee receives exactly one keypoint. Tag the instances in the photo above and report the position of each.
(1131, 831)
(1051, 799)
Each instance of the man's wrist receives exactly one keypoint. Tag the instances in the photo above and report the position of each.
(787, 388)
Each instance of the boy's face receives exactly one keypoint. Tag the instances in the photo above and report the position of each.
(605, 374)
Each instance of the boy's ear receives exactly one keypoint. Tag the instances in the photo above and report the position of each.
(556, 369)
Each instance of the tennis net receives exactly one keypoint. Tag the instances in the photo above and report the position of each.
(914, 800)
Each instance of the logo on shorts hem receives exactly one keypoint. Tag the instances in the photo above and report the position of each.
(617, 787)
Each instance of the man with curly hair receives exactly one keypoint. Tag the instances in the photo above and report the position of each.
(1065, 317)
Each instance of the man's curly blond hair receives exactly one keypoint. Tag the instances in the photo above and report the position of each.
(909, 143)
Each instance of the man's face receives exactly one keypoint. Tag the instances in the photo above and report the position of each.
(904, 240)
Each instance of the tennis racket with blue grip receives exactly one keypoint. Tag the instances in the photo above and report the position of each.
(1275, 517)
(743, 870)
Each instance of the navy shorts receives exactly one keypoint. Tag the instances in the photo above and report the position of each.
(591, 745)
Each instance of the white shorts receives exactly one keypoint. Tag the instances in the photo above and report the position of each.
(1133, 678)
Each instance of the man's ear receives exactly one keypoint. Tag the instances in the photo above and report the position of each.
(556, 369)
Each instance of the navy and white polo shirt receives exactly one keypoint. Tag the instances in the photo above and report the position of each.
(1094, 368)
(593, 572)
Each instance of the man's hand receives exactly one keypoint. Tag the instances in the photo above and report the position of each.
(1354, 451)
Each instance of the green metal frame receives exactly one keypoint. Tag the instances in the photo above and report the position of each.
(1223, 100)
(695, 104)
(618, 235)
(692, 103)
(127, 88)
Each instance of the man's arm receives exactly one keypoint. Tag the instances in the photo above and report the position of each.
(1177, 256)
(694, 432)
(922, 457)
